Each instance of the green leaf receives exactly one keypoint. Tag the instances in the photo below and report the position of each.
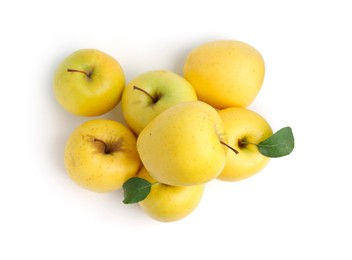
(135, 189)
(279, 144)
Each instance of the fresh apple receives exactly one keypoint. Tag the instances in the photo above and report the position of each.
(225, 73)
(151, 93)
(167, 203)
(183, 145)
(89, 83)
(101, 155)
(244, 128)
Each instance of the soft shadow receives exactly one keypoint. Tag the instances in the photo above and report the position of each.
(56, 152)
(115, 114)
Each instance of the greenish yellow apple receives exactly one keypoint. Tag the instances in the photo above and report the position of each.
(244, 128)
(167, 203)
(183, 145)
(101, 155)
(89, 82)
(225, 73)
(151, 93)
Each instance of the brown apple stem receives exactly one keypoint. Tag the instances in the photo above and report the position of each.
(80, 71)
(242, 143)
(231, 148)
(145, 92)
(102, 142)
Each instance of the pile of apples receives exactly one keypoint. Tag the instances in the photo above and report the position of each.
(181, 132)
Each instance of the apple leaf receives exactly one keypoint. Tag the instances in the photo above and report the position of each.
(279, 144)
(135, 189)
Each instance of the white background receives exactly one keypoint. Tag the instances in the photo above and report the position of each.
(298, 207)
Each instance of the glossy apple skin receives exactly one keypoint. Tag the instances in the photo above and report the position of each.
(91, 95)
(247, 125)
(167, 87)
(167, 203)
(181, 146)
(225, 73)
(99, 167)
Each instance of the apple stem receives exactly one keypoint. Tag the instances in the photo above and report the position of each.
(106, 150)
(231, 148)
(242, 143)
(88, 74)
(153, 98)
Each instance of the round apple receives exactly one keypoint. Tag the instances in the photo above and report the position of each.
(245, 129)
(225, 73)
(182, 146)
(150, 93)
(89, 83)
(101, 155)
(167, 203)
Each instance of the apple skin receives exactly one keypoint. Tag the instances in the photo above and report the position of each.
(167, 203)
(91, 95)
(167, 87)
(99, 167)
(246, 125)
(225, 73)
(181, 146)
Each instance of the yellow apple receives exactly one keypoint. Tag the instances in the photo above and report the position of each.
(244, 128)
(225, 73)
(182, 145)
(101, 155)
(89, 82)
(150, 93)
(167, 203)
